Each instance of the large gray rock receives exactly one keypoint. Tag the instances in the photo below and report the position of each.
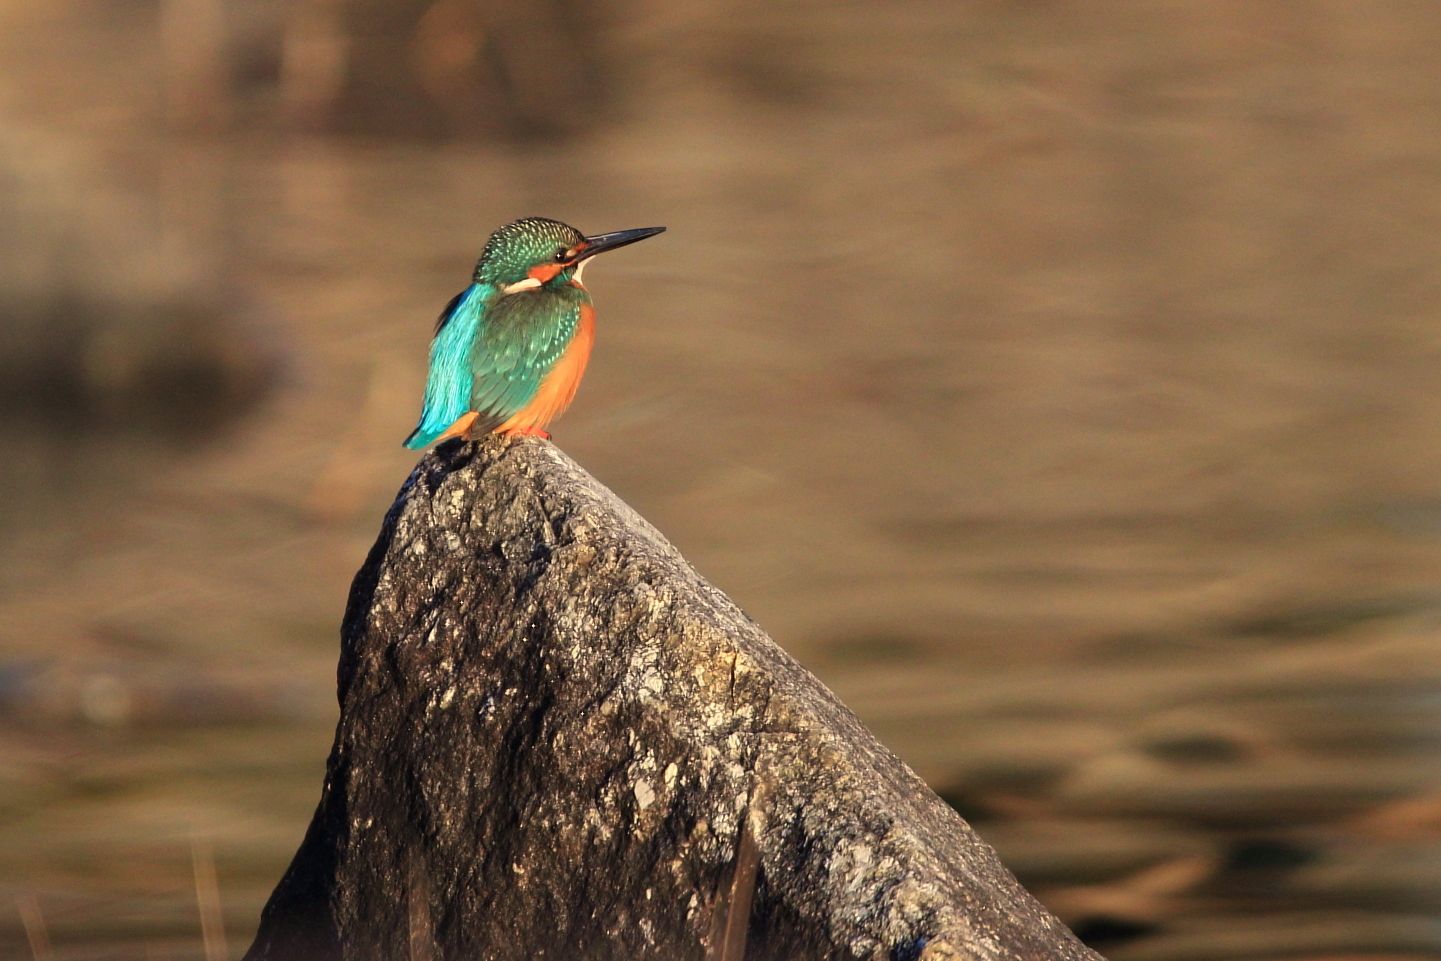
(554, 735)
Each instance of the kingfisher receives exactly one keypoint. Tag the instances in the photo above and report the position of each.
(509, 350)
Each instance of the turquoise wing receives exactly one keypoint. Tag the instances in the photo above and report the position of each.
(523, 336)
(491, 357)
(447, 389)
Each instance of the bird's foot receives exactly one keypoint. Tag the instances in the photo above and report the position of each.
(528, 432)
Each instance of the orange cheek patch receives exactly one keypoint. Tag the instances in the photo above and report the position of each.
(544, 272)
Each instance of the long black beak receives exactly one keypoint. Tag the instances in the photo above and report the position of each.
(616, 238)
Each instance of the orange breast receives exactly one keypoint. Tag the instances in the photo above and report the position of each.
(558, 387)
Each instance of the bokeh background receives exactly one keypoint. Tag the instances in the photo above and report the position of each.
(1057, 380)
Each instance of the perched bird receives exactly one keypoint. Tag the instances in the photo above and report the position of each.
(510, 349)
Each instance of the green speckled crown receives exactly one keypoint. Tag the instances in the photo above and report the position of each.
(516, 247)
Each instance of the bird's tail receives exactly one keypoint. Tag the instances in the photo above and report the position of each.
(420, 437)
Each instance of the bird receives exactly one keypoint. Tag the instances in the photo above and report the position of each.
(510, 350)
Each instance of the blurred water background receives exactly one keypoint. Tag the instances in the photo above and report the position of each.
(1058, 381)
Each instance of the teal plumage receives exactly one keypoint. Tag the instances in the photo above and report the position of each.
(491, 352)
(447, 389)
(510, 349)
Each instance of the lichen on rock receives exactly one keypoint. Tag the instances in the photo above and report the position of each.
(553, 732)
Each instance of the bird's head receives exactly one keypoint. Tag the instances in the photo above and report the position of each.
(536, 251)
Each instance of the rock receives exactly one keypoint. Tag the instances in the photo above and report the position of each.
(555, 736)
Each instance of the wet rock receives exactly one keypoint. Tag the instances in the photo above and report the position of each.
(555, 738)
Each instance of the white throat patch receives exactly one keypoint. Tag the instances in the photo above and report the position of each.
(529, 283)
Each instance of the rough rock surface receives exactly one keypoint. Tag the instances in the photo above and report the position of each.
(553, 733)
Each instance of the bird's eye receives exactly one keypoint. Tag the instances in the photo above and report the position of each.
(562, 255)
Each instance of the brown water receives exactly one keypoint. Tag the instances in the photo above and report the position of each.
(1058, 381)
